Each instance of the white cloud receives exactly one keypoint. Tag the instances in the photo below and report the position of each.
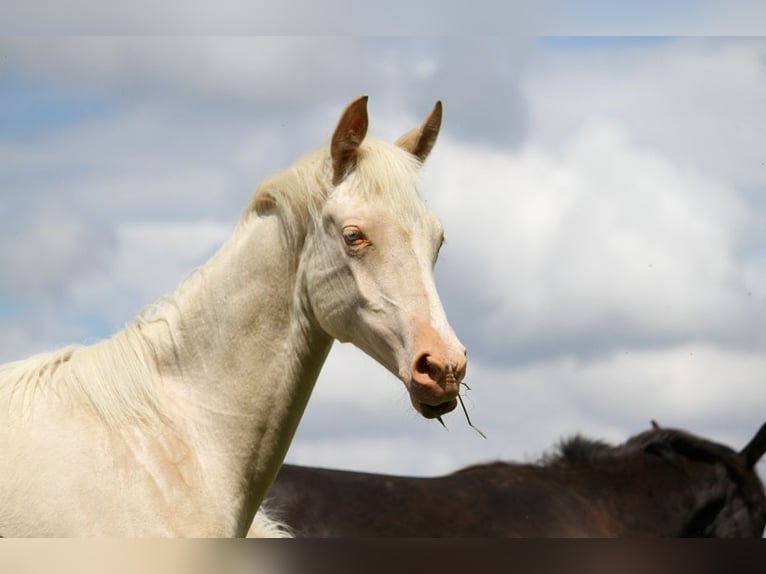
(49, 248)
(242, 73)
(209, 80)
(68, 298)
(149, 260)
(695, 101)
(735, 18)
(602, 237)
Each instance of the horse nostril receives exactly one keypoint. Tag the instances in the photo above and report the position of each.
(427, 365)
(422, 365)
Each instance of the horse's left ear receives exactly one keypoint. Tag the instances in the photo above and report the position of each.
(420, 140)
(348, 136)
(755, 449)
(663, 450)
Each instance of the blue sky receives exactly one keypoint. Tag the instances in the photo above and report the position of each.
(619, 179)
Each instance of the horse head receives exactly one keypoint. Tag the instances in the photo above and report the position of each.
(730, 499)
(366, 266)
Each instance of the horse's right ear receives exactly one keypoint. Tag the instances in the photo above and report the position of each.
(421, 140)
(754, 450)
(348, 136)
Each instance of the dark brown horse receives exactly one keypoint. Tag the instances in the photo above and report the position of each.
(662, 482)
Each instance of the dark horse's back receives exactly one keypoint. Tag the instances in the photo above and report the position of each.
(316, 502)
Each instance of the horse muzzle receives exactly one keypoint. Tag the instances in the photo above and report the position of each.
(435, 382)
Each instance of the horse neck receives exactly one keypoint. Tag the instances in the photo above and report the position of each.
(239, 355)
(645, 498)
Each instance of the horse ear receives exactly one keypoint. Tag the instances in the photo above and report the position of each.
(754, 450)
(348, 136)
(420, 140)
(655, 425)
(663, 450)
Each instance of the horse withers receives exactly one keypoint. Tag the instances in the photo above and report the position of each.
(178, 424)
(660, 483)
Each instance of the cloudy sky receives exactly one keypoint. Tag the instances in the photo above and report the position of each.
(603, 200)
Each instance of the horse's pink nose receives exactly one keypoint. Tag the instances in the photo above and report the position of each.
(438, 378)
(436, 371)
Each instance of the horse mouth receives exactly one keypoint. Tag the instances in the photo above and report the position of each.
(433, 411)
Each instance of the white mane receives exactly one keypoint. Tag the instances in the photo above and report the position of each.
(113, 377)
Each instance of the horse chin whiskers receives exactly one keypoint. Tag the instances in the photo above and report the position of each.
(465, 411)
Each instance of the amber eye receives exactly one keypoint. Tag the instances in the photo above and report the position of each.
(353, 236)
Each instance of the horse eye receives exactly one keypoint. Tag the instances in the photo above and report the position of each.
(353, 236)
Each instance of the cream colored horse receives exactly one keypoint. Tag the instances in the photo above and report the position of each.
(178, 424)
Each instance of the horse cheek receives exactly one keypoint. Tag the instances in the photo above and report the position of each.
(332, 300)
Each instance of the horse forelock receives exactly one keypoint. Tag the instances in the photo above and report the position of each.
(388, 175)
(383, 173)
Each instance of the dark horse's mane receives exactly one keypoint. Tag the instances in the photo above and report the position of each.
(662, 440)
(575, 449)
(578, 449)
(668, 443)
